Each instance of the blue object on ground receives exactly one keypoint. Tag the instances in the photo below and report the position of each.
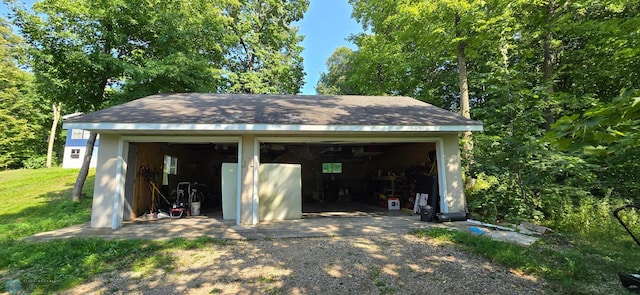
(476, 230)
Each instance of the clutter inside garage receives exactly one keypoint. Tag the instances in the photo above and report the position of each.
(171, 177)
(336, 177)
(361, 177)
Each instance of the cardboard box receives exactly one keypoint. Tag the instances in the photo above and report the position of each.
(393, 203)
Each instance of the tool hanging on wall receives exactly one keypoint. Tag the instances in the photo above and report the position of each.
(154, 189)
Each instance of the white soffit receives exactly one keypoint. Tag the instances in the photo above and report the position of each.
(267, 127)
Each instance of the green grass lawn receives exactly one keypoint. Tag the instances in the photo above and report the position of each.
(38, 200)
(571, 265)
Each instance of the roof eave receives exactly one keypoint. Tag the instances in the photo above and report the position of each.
(147, 127)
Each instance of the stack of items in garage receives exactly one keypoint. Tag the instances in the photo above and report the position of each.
(426, 200)
(416, 189)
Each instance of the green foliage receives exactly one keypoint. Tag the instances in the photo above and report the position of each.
(530, 181)
(265, 53)
(35, 162)
(604, 129)
(21, 116)
(607, 135)
(412, 48)
(514, 147)
(592, 217)
(89, 55)
(337, 79)
(529, 64)
(130, 49)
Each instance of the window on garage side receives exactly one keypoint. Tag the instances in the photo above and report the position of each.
(170, 168)
(77, 133)
(331, 168)
(75, 153)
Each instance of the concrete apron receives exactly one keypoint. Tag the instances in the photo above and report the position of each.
(202, 226)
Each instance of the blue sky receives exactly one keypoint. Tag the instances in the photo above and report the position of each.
(326, 26)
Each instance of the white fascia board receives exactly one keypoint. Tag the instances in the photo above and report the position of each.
(184, 139)
(269, 127)
(361, 140)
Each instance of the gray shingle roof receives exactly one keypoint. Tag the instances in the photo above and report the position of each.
(206, 108)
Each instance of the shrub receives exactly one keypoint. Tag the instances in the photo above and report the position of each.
(35, 162)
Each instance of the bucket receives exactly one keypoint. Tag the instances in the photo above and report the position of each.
(195, 208)
(426, 213)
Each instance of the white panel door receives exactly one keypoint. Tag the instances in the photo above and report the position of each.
(280, 192)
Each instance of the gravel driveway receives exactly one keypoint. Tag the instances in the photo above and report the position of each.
(393, 263)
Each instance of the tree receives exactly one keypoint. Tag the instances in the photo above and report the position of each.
(170, 46)
(265, 55)
(90, 54)
(528, 63)
(414, 45)
(604, 129)
(563, 58)
(52, 135)
(76, 193)
(20, 113)
(339, 70)
(607, 135)
(130, 48)
(12, 126)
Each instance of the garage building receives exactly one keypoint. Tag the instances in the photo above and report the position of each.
(266, 157)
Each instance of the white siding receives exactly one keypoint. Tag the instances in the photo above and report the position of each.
(68, 161)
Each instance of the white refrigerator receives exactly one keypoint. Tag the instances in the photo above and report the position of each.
(229, 190)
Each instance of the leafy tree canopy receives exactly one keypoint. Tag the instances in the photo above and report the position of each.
(20, 114)
(530, 64)
(90, 53)
(612, 127)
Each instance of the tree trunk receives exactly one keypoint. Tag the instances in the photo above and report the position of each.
(464, 86)
(52, 135)
(379, 79)
(76, 195)
(549, 64)
(467, 141)
(549, 60)
(464, 93)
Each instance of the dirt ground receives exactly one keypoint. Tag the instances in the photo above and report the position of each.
(393, 263)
